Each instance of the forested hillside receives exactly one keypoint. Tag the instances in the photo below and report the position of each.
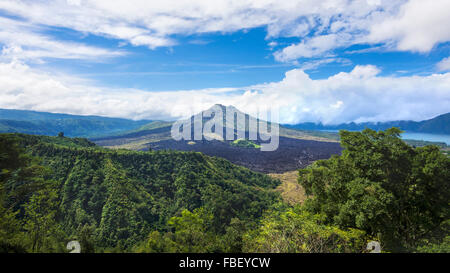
(57, 189)
(395, 192)
(50, 124)
(69, 188)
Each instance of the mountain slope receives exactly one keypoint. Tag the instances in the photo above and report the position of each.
(297, 149)
(157, 131)
(123, 195)
(244, 123)
(42, 123)
(437, 125)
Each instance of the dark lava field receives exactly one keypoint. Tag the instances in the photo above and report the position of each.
(292, 154)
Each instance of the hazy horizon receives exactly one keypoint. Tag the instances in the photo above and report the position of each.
(333, 62)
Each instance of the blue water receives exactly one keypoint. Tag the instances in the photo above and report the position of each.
(427, 137)
(418, 136)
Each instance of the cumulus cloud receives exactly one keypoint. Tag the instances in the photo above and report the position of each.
(320, 26)
(359, 95)
(26, 88)
(444, 64)
(419, 26)
(314, 47)
(413, 25)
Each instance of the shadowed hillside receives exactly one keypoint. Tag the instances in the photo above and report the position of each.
(50, 124)
(121, 196)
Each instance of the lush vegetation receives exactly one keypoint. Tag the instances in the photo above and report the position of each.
(294, 230)
(62, 189)
(334, 136)
(245, 143)
(394, 192)
(56, 189)
(42, 123)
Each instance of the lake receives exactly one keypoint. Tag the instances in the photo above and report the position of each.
(418, 136)
(427, 137)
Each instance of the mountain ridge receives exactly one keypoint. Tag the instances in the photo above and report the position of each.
(296, 149)
(437, 125)
(45, 123)
(50, 124)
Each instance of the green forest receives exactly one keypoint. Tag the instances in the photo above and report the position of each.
(57, 189)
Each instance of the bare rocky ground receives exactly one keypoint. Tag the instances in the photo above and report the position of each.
(291, 155)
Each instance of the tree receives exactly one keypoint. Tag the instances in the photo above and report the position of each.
(383, 186)
(190, 235)
(233, 239)
(61, 134)
(10, 233)
(121, 196)
(295, 230)
(20, 173)
(85, 235)
(40, 223)
(9, 224)
(20, 177)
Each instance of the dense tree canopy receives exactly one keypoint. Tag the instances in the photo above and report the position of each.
(114, 199)
(383, 186)
(57, 189)
(295, 230)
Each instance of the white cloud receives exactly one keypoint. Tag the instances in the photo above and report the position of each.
(309, 48)
(320, 26)
(272, 44)
(444, 64)
(26, 88)
(419, 26)
(359, 95)
(314, 64)
(24, 41)
(151, 41)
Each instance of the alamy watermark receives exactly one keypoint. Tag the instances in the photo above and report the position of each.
(231, 125)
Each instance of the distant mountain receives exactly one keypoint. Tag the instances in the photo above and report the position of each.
(437, 125)
(244, 123)
(297, 148)
(42, 123)
(161, 130)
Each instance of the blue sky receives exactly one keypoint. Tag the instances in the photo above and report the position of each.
(199, 61)
(237, 59)
(330, 61)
